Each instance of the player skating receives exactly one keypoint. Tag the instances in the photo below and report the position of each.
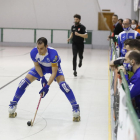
(46, 60)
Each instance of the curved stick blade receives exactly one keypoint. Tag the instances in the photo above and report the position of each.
(31, 123)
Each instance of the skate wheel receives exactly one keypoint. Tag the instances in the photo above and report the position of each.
(13, 115)
(76, 119)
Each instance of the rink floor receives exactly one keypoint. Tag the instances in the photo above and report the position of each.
(54, 118)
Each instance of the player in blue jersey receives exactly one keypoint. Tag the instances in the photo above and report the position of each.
(46, 60)
(128, 33)
(132, 63)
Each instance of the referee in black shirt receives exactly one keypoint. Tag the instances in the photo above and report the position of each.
(78, 33)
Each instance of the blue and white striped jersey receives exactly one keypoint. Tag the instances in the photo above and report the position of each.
(130, 34)
(45, 60)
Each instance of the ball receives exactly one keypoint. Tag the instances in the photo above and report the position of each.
(29, 123)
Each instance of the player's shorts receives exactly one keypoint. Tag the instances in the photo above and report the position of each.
(45, 70)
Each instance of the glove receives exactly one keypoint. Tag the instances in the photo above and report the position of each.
(43, 81)
(44, 91)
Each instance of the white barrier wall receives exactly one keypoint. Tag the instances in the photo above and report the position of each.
(43, 33)
(18, 35)
(28, 35)
(126, 130)
(0, 35)
(60, 36)
(100, 38)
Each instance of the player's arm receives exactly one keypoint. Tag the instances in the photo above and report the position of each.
(45, 89)
(119, 43)
(54, 72)
(38, 69)
(84, 33)
(71, 36)
(137, 35)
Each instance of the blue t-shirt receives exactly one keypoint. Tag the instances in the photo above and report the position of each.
(134, 86)
(45, 60)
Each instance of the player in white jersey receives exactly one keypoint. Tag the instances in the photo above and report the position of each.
(46, 60)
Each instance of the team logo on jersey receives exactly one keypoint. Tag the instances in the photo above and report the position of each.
(73, 28)
(123, 37)
(48, 59)
(55, 59)
(78, 29)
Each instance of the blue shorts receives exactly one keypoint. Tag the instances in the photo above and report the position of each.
(45, 70)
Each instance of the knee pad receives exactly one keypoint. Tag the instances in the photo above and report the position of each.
(24, 83)
(64, 87)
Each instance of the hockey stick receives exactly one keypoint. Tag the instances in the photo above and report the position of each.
(32, 122)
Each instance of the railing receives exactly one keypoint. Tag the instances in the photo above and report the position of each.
(127, 125)
(31, 35)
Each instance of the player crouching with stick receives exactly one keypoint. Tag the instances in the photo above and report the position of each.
(46, 60)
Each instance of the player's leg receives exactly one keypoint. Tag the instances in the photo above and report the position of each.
(75, 51)
(70, 96)
(20, 91)
(66, 89)
(81, 50)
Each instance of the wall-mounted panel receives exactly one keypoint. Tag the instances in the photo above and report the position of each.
(18, 35)
(44, 33)
(60, 36)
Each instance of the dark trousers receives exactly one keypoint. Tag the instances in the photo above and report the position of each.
(77, 49)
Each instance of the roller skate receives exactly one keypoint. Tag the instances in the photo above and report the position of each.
(76, 113)
(12, 109)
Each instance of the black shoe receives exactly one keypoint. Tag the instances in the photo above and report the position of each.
(75, 73)
(80, 63)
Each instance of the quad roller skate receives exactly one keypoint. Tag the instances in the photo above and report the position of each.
(76, 113)
(12, 109)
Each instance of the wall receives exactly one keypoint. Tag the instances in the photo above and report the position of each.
(134, 15)
(28, 37)
(50, 14)
(120, 7)
(99, 39)
(58, 14)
